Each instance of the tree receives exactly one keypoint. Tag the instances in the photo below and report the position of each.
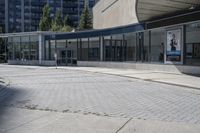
(67, 21)
(55, 27)
(58, 19)
(66, 28)
(58, 22)
(45, 21)
(86, 18)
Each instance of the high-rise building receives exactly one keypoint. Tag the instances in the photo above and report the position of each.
(24, 15)
(2, 14)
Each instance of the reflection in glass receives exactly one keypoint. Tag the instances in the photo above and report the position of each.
(193, 44)
(94, 49)
(157, 45)
(130, 39)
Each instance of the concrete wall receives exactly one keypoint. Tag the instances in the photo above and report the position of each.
(17, 62)
(32, 63)
(143, 66)
(112, 13)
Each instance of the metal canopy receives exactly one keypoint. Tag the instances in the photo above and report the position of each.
(150, 9)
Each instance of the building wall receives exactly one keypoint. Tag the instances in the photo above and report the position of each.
(112, 13)
(2, 14)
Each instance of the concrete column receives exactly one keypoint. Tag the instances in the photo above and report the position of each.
(101, 49)
(6, 16)
(40, 49)
(22, 15)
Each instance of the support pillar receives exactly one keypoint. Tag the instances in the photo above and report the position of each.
(101, 49)
(40, 49)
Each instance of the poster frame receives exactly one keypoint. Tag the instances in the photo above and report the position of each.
(181, 43)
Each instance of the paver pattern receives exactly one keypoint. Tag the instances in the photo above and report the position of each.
(65, 90)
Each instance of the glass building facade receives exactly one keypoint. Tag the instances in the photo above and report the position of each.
(174, 40)
(132, 44)
(24, 15)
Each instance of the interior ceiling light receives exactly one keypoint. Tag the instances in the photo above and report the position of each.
(192, 8)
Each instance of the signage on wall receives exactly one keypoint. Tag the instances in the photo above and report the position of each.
(174, 46)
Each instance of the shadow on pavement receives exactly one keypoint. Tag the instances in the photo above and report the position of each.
(8, 96)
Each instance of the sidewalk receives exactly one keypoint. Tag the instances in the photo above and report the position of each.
(177, 79)
(32, 121)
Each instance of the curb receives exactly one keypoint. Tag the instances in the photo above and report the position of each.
(149, 80)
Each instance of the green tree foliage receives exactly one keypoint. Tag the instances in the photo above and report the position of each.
(67, 21)
(58, 20)
(86, 19)
(59, 25)
(45, 21)
(66, 28)
(55, 27)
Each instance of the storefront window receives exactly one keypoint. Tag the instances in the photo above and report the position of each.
(118, 48)
(17, 48)
(47, 50)
(94, 49)
(130, 40)
(10, 48)
(25, 48)
(146, 47)
(84, 49)
(71, 51)
(61, 51)
(34, 47)
(52, 49)
(107, 42)
(193, 44)
(157, 45)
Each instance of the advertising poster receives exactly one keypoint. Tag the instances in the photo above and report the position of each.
(173, 53)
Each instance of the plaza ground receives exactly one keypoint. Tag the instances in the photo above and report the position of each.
(97, 100)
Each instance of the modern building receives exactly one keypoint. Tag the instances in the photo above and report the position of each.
(24, 15)
(2, 14)
(160, 35)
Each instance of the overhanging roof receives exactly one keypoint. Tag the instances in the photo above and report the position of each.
(150, 9)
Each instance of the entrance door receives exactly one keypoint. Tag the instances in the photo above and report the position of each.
(63, 58)
(69, 57)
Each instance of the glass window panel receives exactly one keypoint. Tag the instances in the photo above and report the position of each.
(84, 50)
(193, 44)
(25, 48)
(34, 47)
(10, 48)
(107, 48)
(117, 48)
(52, 49)
(157, 45)
(16, 45)
(94, 49)
(146, 47)
(130, 40)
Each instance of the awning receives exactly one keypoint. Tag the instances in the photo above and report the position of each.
(150, 9)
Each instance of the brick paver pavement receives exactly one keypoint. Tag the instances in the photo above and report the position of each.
(42, 88)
